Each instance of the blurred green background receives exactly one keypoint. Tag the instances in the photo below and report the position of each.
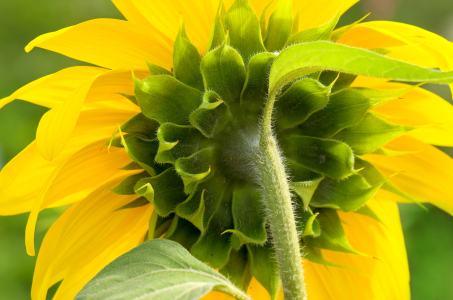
(429, 236)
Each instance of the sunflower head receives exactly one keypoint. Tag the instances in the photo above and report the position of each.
(198, 133)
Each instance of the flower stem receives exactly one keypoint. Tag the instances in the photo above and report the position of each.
(279, 209)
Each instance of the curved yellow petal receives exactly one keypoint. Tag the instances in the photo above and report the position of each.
(131, 12)
(87, 237)
(57, 125)
(425, 175)
(423, 48)
(22, 178)
(384, 277)
(418, 107)
(108, 43)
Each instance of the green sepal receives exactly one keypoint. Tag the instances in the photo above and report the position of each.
(304, 182)
(320, 33)
(176, 141)
(217, 35)
(131, 98)
(340, 81)
(224, 73)
(142, 151)
(195, 167)
(328, 157)
(264, 267)
(248, 216)
(306, 58)
(141, 126)
(254, 93)
(263, 19)
(126, 187)
(367, 211)
(379, 97)
(337, 34)
(374, 176)
(387, 152)
(237, 270)
(157, 70)
(212, 115)
(132, 166)
(332, 235)
(199, 207)
(165, 191)
(184, 233)
(214, 246)
(163, 224)
(165, 99)
(370, 134)
(346, 108)
(280, 26)
(244, 29)
(315, 255)
(186, 61)
(346, 195)
(306, 222)
(172, 228)
(300, 101)
(139, 202)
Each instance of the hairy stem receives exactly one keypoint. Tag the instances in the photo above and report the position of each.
(279, 209)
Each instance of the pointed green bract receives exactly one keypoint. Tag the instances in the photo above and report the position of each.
(126, 187)
(263, 19)
(280, 26)
(164, 99)
(379, 97)
(370, 134)
(157, 70)
(139, 202)
(340, 81)
(300, 101)
(320, 33)
(224, 73)
(140, 125)
(142, 151)
(331, 158)
(264, 267)
(195, 167)
(337, 34)
(303, 59)
(315, 255)
(244, 29)
(367, 211)
(217, 35)
(186, 61)
(176, 141)
(238, 269)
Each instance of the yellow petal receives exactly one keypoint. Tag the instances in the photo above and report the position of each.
(56, 126)
(386, 277)
(51, 90)
(22, 178)
(425, 48)
(87, 237)
(425, 175)
(418, 107)
(131, 13)
(108, 43)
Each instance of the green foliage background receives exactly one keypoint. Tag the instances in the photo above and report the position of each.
(429, 236)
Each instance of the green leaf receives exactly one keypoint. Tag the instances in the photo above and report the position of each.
(165, 191)
(186, 61)
(176, 141)
(346, 195)
(238, 269)
(157, 70)
(303, 59)
(280, 26)
(126, 187)
(345, 109)
(142, 151)
(264, 267)
(300, 101)
(214, 246)
(370, 134)
(203, 201)
(212, 115)
(159, 270)
(165, 99)
(320, 33)
(332, 235)
(139, 202)
(244, 29)
(224, 73)
(249, 217)
(328, 157)
(337, 34)
(254, 93)
(217, 35)
(195, 167)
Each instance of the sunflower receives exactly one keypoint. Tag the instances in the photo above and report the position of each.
(160, 139)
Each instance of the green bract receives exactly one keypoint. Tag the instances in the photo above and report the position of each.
(195, 144)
